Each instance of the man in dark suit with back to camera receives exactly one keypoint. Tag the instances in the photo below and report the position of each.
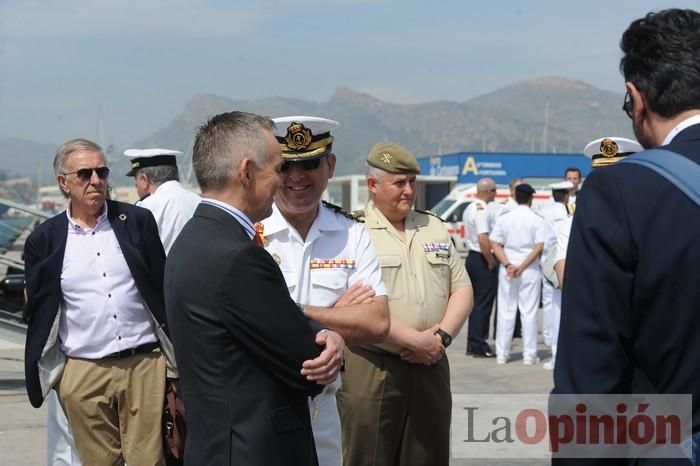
(632, 261)
(249, 356)
(96, 322)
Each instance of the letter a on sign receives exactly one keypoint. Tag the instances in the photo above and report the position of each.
(470, 166)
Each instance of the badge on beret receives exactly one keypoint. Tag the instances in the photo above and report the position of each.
(298, 136)
(386, 157)
(608, 148)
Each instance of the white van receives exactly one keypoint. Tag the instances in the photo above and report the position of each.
(451, 208)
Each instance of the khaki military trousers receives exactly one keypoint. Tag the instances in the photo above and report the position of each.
(393, 412)
(115, 407)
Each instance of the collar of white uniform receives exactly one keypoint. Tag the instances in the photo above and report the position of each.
(326, 220)
(167, 186)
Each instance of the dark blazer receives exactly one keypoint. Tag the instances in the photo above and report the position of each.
(137, 234)
(631, 300)
(239, 342)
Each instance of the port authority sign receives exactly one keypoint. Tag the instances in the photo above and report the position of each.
(469, 167)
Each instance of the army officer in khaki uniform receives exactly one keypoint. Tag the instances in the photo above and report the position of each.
(395, 402)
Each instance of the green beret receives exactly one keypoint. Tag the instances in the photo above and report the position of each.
(393, 158)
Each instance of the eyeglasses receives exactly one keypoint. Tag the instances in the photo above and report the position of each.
(627, 105)
(84, 174)
(492, 190)
(307, 165)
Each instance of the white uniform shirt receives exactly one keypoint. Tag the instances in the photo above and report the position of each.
(509, 205)
(477, 220)
(518, 231)
(102, 311)
(563, 238)
(172, 206)
(337, 254)
(308, 268)
(553, 214)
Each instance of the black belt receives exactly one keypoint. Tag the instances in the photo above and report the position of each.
(127, 353)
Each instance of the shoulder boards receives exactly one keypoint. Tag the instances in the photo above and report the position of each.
(429, 213)
(343, 212)
(570, 209)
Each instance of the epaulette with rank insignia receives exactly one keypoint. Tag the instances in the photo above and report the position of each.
(342, 211)
(429, 213)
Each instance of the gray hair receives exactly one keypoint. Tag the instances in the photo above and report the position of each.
(374, 172)
(160, 174)
(68, 148)
(223, 142)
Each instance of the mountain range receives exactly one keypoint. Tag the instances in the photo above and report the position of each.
(549, 114)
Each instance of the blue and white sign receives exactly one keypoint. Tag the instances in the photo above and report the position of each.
(469, 167)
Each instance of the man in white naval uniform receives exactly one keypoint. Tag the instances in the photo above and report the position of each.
(554, 215)
(157, 183)
(326, 257)
(517, 241)
(482, 267)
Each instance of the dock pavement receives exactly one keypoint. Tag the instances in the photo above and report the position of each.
(23, 428)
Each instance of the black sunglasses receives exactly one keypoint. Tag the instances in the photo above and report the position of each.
(627, 105)
(84, 174)
(307, 165)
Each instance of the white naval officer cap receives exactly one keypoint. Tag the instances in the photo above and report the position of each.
(142, 158)
(561, 186)
(304, 137)
(608, 150)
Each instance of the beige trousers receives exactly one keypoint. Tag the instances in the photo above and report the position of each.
(115, 407)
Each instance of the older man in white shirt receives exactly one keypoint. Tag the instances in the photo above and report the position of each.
(157, 183)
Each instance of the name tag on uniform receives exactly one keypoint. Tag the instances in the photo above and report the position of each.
(333, 263)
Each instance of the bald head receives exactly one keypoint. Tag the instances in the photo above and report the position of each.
(486, 189)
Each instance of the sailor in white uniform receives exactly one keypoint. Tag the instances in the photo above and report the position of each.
(517, 241)
(326, 257)
(554, 215)
(157, 183)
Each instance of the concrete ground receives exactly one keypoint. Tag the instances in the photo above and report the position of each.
(23, 428)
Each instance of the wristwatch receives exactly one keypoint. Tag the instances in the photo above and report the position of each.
(445, 337)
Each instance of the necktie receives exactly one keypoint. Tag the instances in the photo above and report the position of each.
(258, 238)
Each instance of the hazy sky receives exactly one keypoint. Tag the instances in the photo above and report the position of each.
(141, 60)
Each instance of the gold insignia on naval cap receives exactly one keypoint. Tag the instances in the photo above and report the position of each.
(298, 136)
(608, 148)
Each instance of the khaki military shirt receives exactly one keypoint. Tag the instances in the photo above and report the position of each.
(420, 270)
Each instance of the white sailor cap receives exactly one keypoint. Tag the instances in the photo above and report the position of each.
(561, 186)
(304, 137)
(142, 158)
(608, 150)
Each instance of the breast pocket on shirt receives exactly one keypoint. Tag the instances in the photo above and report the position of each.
(327, 285)
(439, 266)
(291, 277)
(391, 275)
